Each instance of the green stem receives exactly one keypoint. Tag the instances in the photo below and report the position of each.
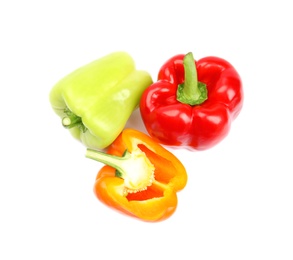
(135, 168)
(72, 120)
(111, 160)
(191, 91)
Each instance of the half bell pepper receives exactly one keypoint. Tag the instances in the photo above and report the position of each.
(96, 100)
(193, 103)
(140, 177)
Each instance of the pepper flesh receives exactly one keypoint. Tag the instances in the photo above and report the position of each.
(96, 100)
(157, 200)
(176, 111)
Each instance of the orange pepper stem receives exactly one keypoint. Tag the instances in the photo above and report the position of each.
(191, 91)
(135, 168)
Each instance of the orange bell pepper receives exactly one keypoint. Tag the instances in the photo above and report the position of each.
(140, 177)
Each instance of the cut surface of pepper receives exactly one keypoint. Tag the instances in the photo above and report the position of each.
(141, 178)
(96, 100)
(193, 103)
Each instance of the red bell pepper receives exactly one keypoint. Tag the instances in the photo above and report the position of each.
(193, 102)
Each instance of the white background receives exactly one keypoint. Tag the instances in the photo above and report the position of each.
(239, 197)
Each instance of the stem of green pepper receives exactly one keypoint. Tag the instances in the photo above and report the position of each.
(69, 122)
(72, 120)
(134, 168)
(191, 91)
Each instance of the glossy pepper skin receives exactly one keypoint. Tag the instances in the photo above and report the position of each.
(96, 100)
(142, 178)
(193, 103)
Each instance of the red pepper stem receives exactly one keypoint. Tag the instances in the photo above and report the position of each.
(135, 168)
(191, 91)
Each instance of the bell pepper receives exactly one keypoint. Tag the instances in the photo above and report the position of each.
(140, 177)
(193, 102)
(96, 100)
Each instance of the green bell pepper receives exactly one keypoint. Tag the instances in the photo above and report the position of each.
(96, 100)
